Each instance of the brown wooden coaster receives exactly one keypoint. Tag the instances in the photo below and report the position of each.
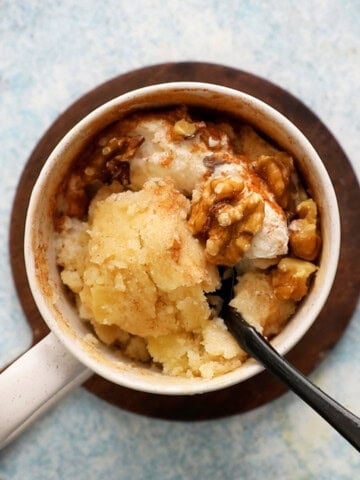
(342, 301)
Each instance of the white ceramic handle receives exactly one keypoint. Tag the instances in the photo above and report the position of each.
(35, 382)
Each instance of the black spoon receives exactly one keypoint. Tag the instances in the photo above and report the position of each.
(250, 340)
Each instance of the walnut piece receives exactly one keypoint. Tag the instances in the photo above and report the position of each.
(226, 217)
(275, 167)
(276, 171)
(290, 279)
(185, 128)
(305, 239)
(121, 148)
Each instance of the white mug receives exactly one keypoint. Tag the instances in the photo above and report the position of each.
(65, 358)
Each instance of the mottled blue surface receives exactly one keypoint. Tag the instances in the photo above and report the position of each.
(53, 52)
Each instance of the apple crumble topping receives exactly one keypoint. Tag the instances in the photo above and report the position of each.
(150, 210)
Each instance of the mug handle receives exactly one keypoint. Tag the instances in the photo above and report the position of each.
(35, 382)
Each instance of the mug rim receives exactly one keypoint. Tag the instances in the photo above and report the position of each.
(178, 385)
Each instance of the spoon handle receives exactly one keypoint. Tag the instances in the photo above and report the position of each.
(345, 422)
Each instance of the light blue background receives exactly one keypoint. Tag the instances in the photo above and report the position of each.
(53, 52)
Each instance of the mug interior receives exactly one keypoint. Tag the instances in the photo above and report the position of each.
(49, 292)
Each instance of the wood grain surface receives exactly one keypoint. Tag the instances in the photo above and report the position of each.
(342, 301)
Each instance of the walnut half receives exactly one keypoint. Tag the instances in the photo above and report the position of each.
(276, 171)
(305, 240)
(226, 217)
